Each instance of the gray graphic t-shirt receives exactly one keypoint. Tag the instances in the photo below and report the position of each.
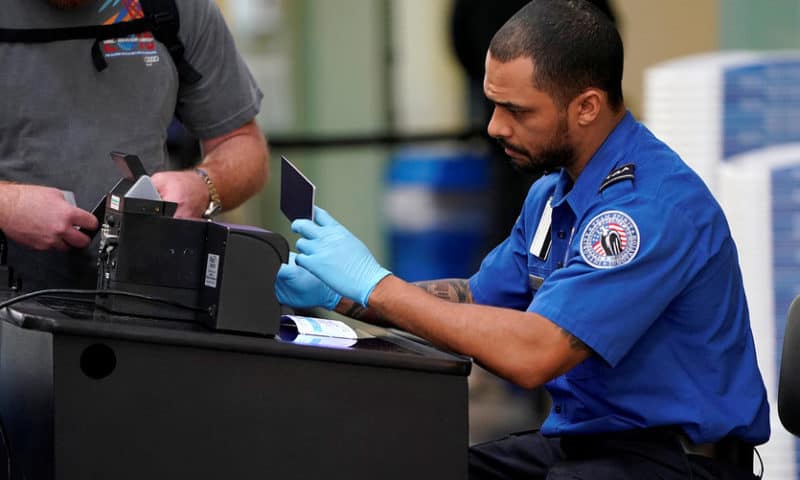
(60, 117)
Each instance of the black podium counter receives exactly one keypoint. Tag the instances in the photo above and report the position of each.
(89, 395)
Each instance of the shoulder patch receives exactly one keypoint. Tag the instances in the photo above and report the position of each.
(625, 172)
(609, 240)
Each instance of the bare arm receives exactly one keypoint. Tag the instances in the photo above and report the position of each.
(451, 289)
(523, 347)
(236, 163)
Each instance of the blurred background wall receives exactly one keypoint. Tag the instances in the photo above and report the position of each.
(364, 68)
(361, 68)
(351, 84)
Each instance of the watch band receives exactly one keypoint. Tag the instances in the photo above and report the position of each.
(214, 202)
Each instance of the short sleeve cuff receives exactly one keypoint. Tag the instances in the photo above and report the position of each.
(230, 123)
(581, 332)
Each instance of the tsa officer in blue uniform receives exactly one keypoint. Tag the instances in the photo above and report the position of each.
(618, 288)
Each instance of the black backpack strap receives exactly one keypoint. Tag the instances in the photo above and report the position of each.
(165, 24)
(97, 32)
(160, 18)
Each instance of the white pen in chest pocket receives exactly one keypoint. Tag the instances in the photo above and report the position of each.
(540, 245)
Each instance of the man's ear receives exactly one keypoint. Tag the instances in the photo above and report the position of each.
(587, 106)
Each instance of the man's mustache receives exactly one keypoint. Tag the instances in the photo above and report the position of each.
(511, 147)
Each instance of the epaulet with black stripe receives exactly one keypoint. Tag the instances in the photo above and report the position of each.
(625, 172)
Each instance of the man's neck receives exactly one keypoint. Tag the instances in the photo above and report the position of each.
(594, 139)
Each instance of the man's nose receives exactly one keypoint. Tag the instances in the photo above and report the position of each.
(498, 127)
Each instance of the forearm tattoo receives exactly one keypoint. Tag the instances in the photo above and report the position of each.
(452, 289)
(575, 343)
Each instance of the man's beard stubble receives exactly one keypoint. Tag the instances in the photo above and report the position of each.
(559, 154)
(69, 4)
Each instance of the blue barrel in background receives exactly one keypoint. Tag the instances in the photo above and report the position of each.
(437, 211)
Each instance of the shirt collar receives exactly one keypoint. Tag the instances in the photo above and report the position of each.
(604, 160)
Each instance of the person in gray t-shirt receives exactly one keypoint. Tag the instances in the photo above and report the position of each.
(60, 118)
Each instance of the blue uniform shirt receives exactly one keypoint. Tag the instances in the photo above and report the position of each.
(640, 265)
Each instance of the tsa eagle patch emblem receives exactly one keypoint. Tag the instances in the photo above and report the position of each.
(611, 239)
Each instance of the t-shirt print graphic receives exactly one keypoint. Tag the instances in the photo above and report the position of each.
(131, 10)
(140, 44)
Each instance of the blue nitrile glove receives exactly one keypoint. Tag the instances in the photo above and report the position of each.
(297, 287)
(337, 257)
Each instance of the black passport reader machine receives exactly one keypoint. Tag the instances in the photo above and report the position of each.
(213, 273)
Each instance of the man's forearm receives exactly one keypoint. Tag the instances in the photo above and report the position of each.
(521, 346)
(355, 310)
(8, 197)
(237, 164)
(454, 290)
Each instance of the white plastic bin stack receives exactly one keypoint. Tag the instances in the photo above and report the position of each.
(735, 119)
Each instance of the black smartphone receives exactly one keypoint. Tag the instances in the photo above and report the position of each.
(297, 192)
(129, 165)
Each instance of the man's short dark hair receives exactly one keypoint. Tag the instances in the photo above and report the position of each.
(573, 46)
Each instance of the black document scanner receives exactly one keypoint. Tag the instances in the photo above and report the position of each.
(220, 275)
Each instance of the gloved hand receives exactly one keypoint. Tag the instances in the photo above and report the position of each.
(335, 256)
(297, 287)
